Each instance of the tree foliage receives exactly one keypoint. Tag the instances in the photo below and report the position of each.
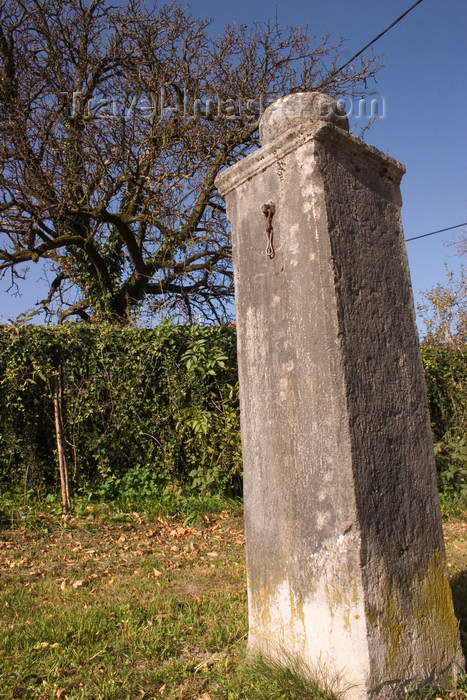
(114, 122)
(444, 311)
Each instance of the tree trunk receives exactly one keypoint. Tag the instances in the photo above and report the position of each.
(66, 506)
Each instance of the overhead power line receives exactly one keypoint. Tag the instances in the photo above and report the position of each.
(379, 36)
(370, 43)
(432, 233)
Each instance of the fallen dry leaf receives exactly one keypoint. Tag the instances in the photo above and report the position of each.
(46, 645)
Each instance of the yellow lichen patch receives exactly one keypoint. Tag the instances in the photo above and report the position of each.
(261, 606)
(342, 598)
(392, 626)
(415, 622)
(277, 615)
(433, 605)
(298, 617)
(355, 591)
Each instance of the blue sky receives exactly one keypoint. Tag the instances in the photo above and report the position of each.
(423, 83)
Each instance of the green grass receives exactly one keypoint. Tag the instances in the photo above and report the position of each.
(115, 604)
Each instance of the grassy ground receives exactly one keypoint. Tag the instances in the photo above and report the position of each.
(114, 606)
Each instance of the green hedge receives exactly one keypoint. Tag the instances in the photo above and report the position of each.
(144, 409)
(158, 408)
(446, 379)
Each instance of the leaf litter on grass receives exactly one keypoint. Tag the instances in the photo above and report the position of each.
(138, 607)
(116, 606)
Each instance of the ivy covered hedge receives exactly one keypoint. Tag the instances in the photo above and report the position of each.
(143, 409)
(446, 379)
(148, 409)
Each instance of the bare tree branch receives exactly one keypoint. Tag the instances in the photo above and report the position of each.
(114, 122)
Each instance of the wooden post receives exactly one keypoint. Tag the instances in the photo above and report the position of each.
(57, 398)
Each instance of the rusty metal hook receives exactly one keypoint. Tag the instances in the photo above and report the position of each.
(269, 210)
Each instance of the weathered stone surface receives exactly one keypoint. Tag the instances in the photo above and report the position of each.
(345, 555)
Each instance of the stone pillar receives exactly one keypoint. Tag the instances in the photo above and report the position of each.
(345, 554)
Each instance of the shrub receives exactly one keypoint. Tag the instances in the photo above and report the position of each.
(446, 379)
(144, 408)
(157, 410)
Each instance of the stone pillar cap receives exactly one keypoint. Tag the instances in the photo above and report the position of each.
(298, 109)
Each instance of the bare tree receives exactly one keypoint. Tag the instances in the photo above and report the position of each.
(114, 122)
